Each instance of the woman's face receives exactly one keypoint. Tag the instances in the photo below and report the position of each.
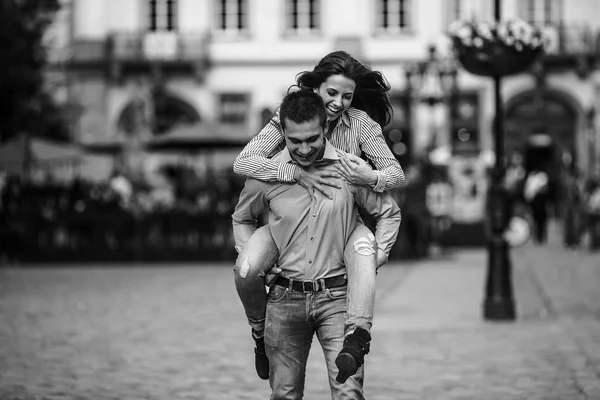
(337, 92)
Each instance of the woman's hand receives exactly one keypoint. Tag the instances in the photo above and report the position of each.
(382, 259)
(314, 179)
(271, 275)
(356, 171)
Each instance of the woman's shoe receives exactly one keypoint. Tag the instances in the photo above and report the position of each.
(356, 346)
(261, 362)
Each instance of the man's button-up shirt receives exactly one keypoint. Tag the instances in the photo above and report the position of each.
(311, 231)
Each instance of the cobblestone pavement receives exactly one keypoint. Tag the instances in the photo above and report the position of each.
(438, 346)
(178, 332)
(568, 284)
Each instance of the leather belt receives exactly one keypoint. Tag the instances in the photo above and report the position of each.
(312, 286)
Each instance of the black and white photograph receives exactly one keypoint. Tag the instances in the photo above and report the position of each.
(300, 199)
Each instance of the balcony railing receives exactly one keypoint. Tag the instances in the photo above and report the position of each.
(566, 39)
(161, 46)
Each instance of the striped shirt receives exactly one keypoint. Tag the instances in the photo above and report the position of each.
(311, 231)
(355, 133)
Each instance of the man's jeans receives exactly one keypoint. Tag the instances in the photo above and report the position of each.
(259, 254)
(292, 320)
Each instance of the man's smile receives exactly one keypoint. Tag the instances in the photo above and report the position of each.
(306, 157)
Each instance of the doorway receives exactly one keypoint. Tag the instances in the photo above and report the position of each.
(541, 125)
(539, 151)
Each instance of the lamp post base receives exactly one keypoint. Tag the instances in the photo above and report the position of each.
(499, 304)
(499, 310)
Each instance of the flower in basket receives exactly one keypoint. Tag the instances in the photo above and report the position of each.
(497, 48)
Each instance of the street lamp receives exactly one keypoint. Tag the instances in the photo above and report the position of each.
(499, 304)
(497, 50)
(432, 81)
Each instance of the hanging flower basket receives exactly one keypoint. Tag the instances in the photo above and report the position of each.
(496, 49)
(496, 61)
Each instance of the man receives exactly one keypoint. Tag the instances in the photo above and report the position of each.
(311, 232)
(537, 195)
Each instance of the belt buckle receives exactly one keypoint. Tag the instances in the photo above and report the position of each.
(313, 287)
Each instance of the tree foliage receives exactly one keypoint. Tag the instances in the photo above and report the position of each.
(25, 104)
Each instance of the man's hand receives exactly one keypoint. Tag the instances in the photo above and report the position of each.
(382, 259)
(317, 180)
(271, 275)
(356, 171)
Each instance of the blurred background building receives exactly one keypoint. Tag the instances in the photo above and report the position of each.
(230, 62)
(159, 84)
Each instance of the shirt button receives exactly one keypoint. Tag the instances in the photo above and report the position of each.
(312, 238)
(310, 261)
(314, 215)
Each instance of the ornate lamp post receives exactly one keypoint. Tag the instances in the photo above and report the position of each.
(499, 301)
(496, 50)
(432, 81)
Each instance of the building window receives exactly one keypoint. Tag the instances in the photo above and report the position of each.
(303, 16)
(528, 10)
(454, 10)
(234, 108)
(468, 9)
(394, 16)
(541, 12)
(162, 15)
(232, 16)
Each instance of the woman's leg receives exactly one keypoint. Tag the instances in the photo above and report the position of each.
(361, 266)
(360, 259)
(256, 257)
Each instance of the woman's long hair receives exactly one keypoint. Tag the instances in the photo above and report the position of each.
(372, 89)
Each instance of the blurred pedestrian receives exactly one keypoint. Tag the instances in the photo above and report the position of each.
(415, 231)
(592, 202)
(439, 204)
(12, 221)
(514, 180)
(310, 232)
(573, 208)
(122, 187)
(358, 107)
(536, 194)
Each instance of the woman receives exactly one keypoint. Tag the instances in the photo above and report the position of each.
(358, 106)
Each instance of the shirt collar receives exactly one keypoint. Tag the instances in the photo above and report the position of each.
(330, 154)
(345, 118)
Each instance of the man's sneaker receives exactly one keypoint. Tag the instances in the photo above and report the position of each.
(352, 356)
(261, 362)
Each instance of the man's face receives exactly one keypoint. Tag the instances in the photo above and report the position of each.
(304, 141)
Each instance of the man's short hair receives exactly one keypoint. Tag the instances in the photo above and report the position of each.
(302, 106)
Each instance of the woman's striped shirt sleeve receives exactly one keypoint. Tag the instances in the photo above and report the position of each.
(254, 160)
(373, 145)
